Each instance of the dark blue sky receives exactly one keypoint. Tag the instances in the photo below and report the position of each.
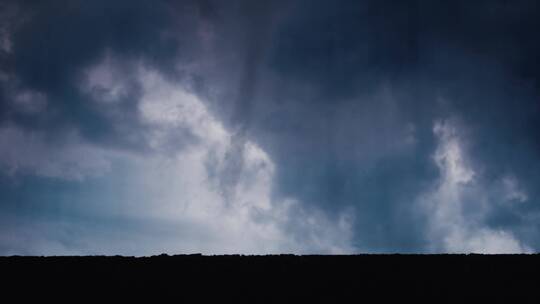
(137, 127)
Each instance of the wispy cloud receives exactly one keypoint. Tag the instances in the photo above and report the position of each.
(457, 203)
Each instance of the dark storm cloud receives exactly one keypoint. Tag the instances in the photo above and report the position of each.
(336, 137)
(342, 95)
(255, 36)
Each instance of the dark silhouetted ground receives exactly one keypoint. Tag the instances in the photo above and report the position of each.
(278, 279)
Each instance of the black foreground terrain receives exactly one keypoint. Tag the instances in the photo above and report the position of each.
(276, 278)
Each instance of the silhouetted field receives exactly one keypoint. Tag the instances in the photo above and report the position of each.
(276, 278)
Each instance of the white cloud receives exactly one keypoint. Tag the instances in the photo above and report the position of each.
(456, 205)
(165, 107)
(177, 189)
(189, 189)
(449, 155)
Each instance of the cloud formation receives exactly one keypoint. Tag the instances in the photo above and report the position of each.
(179, 186)
(293, 126)
(457, 205)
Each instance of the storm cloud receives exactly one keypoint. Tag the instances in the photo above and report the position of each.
(129, 127)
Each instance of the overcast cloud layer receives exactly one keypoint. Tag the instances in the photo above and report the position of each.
(137, 127)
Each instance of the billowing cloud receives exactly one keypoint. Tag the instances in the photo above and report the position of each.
(179, 186)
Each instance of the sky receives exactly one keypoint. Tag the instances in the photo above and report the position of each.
(259, 127)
